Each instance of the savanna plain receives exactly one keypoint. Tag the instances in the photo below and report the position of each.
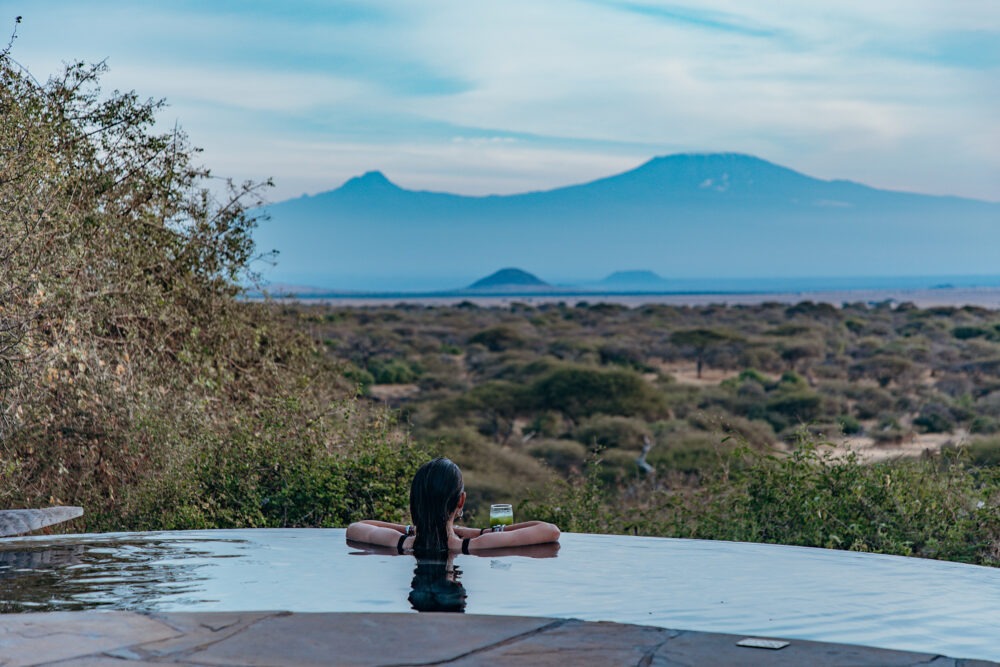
(138, 383)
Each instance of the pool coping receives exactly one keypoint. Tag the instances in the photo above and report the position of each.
(294, 639)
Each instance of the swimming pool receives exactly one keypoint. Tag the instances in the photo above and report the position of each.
(752, 589)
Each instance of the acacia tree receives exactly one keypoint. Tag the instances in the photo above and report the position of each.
(700, 340)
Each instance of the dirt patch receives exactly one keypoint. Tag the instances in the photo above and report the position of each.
(687, 373)
(392, 392)
(911, 446)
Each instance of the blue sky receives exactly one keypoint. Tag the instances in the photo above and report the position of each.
(502, 97)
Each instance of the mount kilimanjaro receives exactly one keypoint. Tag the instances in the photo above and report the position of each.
(681, 215)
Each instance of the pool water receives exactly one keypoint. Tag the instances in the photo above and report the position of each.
(751, 589)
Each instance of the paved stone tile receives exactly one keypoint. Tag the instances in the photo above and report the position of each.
(265, 639)
(575, 643)
(197, 630)
(706, 648)
(364, 639)
(105, 661)
(33, 639)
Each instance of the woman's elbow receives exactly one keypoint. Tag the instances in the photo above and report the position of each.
(552, 532)
(355, 530)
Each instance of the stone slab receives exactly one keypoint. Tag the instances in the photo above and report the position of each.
(197, 631)
(34, 639)
(701, 648)
(365, 640)
(266, 639)
(576, 643)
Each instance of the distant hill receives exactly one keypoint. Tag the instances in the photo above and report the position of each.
(641, 281)
(511, 278)
(713, 215)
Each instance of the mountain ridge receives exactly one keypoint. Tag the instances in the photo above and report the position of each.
(685, 215)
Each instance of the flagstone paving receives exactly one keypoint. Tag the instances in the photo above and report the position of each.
(283, 639)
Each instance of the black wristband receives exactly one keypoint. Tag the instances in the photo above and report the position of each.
(484, 531)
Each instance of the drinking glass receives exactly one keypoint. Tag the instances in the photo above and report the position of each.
(501, 515)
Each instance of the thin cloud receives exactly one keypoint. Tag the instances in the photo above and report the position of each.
(896, 93)
(692, 17)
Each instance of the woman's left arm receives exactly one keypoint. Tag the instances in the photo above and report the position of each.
(464, 532)
(521, 534)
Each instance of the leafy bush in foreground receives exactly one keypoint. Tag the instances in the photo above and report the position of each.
(133, 380)
(934, 508)
(266, 475)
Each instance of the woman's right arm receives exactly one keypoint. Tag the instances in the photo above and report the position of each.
(375, 532)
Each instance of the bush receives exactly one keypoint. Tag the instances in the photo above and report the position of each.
(270, 474)
(393, 371)
(579, 392)
(935, 419)
(605, 431)
(690, 453)
(497, 339)
(984, 452)
(849, 425)
(792, 409)
(932, 508)
(984, 426)
(813, 497)
(135, 382)
(565, 456)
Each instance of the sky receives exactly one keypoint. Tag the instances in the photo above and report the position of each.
(479, 97)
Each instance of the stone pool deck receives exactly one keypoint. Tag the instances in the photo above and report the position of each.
(282, 639)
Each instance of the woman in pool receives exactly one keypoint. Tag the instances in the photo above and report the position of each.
(437, 496)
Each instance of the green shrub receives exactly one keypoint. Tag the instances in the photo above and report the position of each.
(793, 408)
(270, 474)
(817, 498)
(935, 419)
(849, 425)
(609, 431)
(565, 456)
(933, 508)
(984, 425)
(393, 371)
(497, 339)
(965, 333)
(579, 392)
(984, 452)
(690, 453)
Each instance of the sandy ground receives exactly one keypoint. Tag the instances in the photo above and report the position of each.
(986, 297)
(915, 445)
(389, 393)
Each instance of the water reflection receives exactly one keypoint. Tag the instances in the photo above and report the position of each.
(101, 575)
(436, 586)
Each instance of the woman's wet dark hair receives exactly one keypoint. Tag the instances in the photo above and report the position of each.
(434, 496)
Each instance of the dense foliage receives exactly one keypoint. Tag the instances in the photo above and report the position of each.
(725, 400)
(813, 496)
(133, 381)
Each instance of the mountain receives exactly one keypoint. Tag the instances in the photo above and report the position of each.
(509, 279)
(634, 281)
(690, 215)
